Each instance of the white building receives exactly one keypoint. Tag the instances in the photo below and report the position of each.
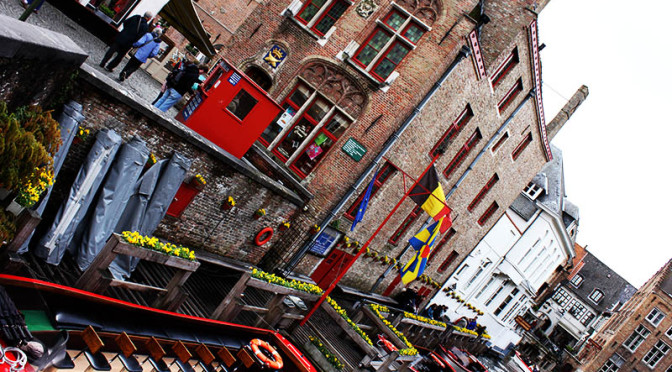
(519, 254)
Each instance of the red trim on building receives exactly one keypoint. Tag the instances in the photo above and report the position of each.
(536, 64)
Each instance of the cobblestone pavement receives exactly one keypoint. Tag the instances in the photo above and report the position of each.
(140, 83)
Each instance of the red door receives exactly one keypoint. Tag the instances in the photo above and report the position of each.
(331, 267)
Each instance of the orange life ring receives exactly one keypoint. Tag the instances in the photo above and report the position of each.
(268, 232)
(257, 344)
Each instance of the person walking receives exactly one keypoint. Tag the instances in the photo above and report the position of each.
(148, 47)
(26, 4)
(181, 84)
(134, 28)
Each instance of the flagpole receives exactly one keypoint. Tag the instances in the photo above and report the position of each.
(363, 249)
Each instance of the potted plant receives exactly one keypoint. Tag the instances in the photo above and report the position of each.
(81, 135)
(198, 182)
(284, 226)
(259, 213)
(229, 203)
(314, 229)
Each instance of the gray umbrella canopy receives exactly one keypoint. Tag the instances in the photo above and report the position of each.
(53, 245)
(69, 122)
(151, 198)
(112, 198)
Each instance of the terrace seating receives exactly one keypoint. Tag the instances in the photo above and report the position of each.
(56, 354)
(93, 352)
(182, 357)
(156, 354)
(127, 348)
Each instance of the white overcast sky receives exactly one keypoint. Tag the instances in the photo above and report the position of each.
(617, 146)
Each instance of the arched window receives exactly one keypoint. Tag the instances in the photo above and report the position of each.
(260, 77)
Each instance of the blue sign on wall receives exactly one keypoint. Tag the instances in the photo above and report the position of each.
(325, 241)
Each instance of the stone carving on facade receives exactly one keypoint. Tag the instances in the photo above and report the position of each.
(366, 7)
(335, 85)
(426, 10)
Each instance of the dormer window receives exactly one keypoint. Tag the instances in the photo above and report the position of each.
(596, 296)
(532, 191)
(576, 280)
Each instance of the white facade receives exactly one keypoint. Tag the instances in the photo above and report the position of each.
(505, 270)
(566, 310)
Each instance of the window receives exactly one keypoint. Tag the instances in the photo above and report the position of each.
(412, 217)
(613, 364)
(383, 175)
(310, 135)
(481, 194)
(596, 296)
(505, 67)
(521, 146)
(478, 272)
(462, 153)
(532, 190)
(449, 235)
(500, 141)
(396, 35)
(321, 15)
(669, 332)
(655, 316)
(452, 132)
(510, 95)
(576, 280)
(656, 353)
(492, 297)
(444, 265)
(506, 301)
(561, 297)
(488, 213)
(241, 105)
(636, 338)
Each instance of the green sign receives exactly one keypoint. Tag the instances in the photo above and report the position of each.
(354, 149)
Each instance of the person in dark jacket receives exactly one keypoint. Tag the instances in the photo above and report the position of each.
(148, 47)
(134, 28)
(182, 84)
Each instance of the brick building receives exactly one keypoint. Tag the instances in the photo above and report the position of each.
(363, 75)
(639, 335)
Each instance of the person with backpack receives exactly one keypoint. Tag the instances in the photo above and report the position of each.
(134, 28)
(180, 84)
(148, 47)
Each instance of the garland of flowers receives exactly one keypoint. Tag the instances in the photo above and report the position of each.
(333, 360)
(352, 324)
(410, 350)
(154, 244)
(293, 284)
(471, 332)
(423, 319)
(29, 194)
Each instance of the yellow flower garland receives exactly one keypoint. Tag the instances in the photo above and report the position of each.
(154, 244)
(410, 350)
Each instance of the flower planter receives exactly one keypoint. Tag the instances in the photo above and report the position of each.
(226, 206)
(282, 227)
(318, 358)
(15, 208)
(256, 216)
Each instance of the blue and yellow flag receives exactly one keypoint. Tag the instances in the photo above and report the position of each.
(416, 266)
(426, 236)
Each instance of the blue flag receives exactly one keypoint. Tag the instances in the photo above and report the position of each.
(416, 266)
(426, 236)
(364, 203)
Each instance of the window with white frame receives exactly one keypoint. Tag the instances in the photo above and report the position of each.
(612, 364)
(561, 297)
(576, 280)
(596, 296)
(393, 38)
(636, 338)
(657, 352)
(655, 316)
(532, 190)
(669, 369)
(494, 295)
(321, 15)
(669, 332)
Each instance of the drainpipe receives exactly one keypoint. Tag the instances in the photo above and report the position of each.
(464, 52)
(459, 181)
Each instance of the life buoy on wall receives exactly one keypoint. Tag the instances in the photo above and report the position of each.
(257, 344)
(264, 236)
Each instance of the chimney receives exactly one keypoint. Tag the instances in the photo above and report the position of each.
(566, 112)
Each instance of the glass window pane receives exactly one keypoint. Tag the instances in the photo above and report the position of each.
(309, 11)
(369, 52)
(395, 20)
(300, 95)
(294, 138)
(397, 53)
(331, 17)
(318, 109)
(337, 125)
(413, 33)
(307, 161)
(242, 104)
(384, 68)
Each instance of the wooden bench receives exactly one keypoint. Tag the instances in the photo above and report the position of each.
(155, 355)
(126, 350)
(182, 357)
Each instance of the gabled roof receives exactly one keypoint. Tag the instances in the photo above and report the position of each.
(597, 275)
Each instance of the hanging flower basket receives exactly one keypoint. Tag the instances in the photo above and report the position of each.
(259, 213)
(284, 226)
(314, 229)
(198, 182)
(229, 203)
